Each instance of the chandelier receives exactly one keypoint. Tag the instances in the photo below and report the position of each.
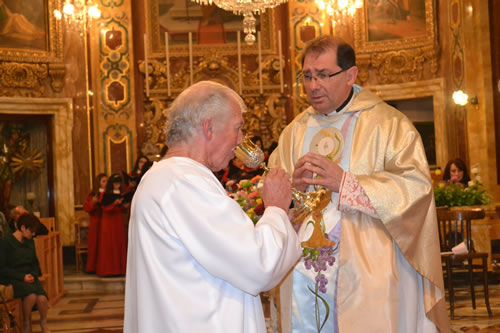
(78, 11)
(337, 9)
(247, 8)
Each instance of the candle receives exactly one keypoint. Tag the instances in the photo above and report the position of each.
(279, 56)
(239, 62)
(190, 58)
(261, 90)
(167, 60)
(146, 65)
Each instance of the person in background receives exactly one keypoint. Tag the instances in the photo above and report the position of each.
(14, 215)
(196, 262)
(139, 163)
(92, 206)
(456, 170)
(112, 239)
(386, 266)
(19, 266)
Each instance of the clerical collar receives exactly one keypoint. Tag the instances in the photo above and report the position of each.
(341, 108)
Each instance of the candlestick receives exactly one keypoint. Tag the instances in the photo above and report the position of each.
(261, 90)
(167, 60)
(146, 65)
(279, 55)
(190, 58)
(239, 62)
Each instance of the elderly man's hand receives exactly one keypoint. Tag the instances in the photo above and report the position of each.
(277, 189)
(329, 173)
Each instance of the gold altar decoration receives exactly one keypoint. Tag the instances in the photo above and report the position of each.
(266, 115)
(28, 162)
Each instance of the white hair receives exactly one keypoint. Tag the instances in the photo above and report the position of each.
(202, 100)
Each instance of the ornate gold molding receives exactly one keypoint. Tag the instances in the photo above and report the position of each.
(397, 66)
(216, 68)
(56, 73)
(22, 79)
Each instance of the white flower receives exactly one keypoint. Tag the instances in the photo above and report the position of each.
(471, 183)
(474, 171)
(478, 179)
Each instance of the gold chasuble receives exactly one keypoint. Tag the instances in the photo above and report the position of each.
(388, 159)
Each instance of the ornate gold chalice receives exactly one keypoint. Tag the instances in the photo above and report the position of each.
(305, 202)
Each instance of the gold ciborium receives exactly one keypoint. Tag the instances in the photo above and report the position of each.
(305, 202)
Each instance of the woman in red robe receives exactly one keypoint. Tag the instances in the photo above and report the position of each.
(112, 244)
(92, 206)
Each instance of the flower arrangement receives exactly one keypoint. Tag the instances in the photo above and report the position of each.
(453, 193)
(246, 194)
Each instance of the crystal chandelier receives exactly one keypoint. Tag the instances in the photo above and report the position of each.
(247, 8)
(337, 9)
(78, 11)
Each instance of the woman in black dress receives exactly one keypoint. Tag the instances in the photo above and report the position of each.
(19, 266)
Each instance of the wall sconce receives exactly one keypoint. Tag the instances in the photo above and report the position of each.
(461, 98)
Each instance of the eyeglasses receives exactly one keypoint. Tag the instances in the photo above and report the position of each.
(321, 77)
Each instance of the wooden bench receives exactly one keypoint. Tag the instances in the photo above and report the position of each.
(14, 307)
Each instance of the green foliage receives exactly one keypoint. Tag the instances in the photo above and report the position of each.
(455, 194)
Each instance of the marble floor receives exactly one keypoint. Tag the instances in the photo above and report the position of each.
(94, 304)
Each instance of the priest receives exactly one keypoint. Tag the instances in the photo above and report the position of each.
(385, 273)
(196, 262)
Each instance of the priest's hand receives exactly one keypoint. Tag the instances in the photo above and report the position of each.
(277, 189)
(328, 173)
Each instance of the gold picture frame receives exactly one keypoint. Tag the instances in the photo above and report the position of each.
(155, 32)
(35, 20)
(390, 27)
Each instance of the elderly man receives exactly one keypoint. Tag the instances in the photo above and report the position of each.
(196, 262)
(387, 274)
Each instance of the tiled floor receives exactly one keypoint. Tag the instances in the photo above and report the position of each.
(84, 309)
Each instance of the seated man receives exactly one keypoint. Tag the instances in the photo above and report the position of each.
(19, 266)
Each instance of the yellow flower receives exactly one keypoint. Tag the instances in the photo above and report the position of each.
(437, 172)
(441, 185)
(258, 201)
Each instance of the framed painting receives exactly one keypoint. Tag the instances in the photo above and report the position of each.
(29, 32)
(385, 25)
(212, 28)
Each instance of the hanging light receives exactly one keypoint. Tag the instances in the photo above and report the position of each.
(78, 11)
(338, 9)
(247, 8)
(94, 12)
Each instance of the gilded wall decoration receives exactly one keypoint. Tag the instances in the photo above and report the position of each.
(306, 22)
(266, 114)
(114, 111)
(22, 79)
(386, 39)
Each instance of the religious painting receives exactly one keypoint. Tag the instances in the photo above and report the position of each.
(23, 24)
(29, 31)
(211, 27)
(395, 19)
(385, 25)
